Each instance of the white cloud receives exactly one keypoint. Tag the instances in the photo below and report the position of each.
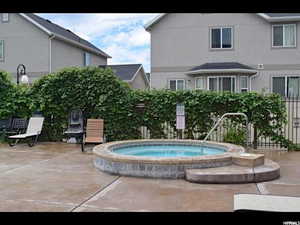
(120, 35)
(124, 55)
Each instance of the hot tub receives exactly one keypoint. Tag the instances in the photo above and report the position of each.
(162, 158)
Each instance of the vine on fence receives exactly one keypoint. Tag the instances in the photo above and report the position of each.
(102, 95)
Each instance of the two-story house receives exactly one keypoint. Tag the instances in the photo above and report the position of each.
(42, 46)
(235, 52)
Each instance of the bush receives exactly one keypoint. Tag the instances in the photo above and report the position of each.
(100, 94)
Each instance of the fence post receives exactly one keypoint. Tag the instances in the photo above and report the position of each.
(255, 137)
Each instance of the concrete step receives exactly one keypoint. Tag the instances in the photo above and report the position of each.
(234, 174)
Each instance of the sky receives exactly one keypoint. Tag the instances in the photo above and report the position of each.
(122, 36)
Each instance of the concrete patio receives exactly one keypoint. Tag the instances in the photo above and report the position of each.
(58, 177)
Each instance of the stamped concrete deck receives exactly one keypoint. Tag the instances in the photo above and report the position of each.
(58, 177)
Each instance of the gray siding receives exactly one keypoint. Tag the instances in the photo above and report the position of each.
(24, 43)
(139, 81)
(182, 41)
(65, 55)
(27, 44)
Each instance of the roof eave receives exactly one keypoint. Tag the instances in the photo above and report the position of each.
(60, 37)
(279, 19)
(156, 19)
(36, 24)
(51, 34)
(208, 71)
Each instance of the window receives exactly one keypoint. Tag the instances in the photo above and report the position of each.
(293, 86)
(221, 84)
(176, 84)
(279, 85)
(87, 59)
(286, 86)
(244, 83)
(4, 17)
(1, 50)
(200, 83)
(284, 35)
(221, 38)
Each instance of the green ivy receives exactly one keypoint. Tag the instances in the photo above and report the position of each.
(101, 94)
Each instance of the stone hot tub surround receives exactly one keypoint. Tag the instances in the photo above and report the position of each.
(169, 167)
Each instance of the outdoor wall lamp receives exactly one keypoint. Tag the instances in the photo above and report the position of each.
(21, 71)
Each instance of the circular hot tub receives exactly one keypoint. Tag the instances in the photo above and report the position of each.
(161, 158)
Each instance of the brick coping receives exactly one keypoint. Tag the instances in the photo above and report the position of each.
(105, 151)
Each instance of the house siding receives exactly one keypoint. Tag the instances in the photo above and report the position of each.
(139, 81)
(180, 42)
(65, 55)
(26, 44)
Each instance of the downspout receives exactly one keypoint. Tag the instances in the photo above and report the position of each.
(253, 77)
(50, 52)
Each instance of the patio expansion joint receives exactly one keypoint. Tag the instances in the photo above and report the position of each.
(103, 190)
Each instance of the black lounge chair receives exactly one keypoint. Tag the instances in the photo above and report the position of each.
(5, 126)
(33, 130)
(18, 126)
(75, 127)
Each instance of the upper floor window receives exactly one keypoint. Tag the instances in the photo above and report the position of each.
(1, 50)
(87, 59)
(284, 35)
(4, 17)
(221, 38)
(287, 86)
(177, 84)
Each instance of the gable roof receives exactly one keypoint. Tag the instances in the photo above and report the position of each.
(53, 29)
(125, 72)
(271, 17)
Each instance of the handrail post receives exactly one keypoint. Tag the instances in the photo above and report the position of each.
(229, 114)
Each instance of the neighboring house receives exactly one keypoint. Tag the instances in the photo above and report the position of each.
(133, 74)
(42, 46)
(235, 52)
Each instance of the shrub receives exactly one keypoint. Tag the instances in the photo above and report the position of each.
(100, 94)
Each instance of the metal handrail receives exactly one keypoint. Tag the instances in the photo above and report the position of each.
(222, 117)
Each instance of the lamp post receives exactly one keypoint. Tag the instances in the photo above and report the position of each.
(21, 70)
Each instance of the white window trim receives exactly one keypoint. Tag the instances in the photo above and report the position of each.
(218, 85)
(2, 18)
(196, 83)
(169, 85)
(2, 59)
(285, 83)
(221, 33)
(85, 58)
(248, 82)
(283, 30)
